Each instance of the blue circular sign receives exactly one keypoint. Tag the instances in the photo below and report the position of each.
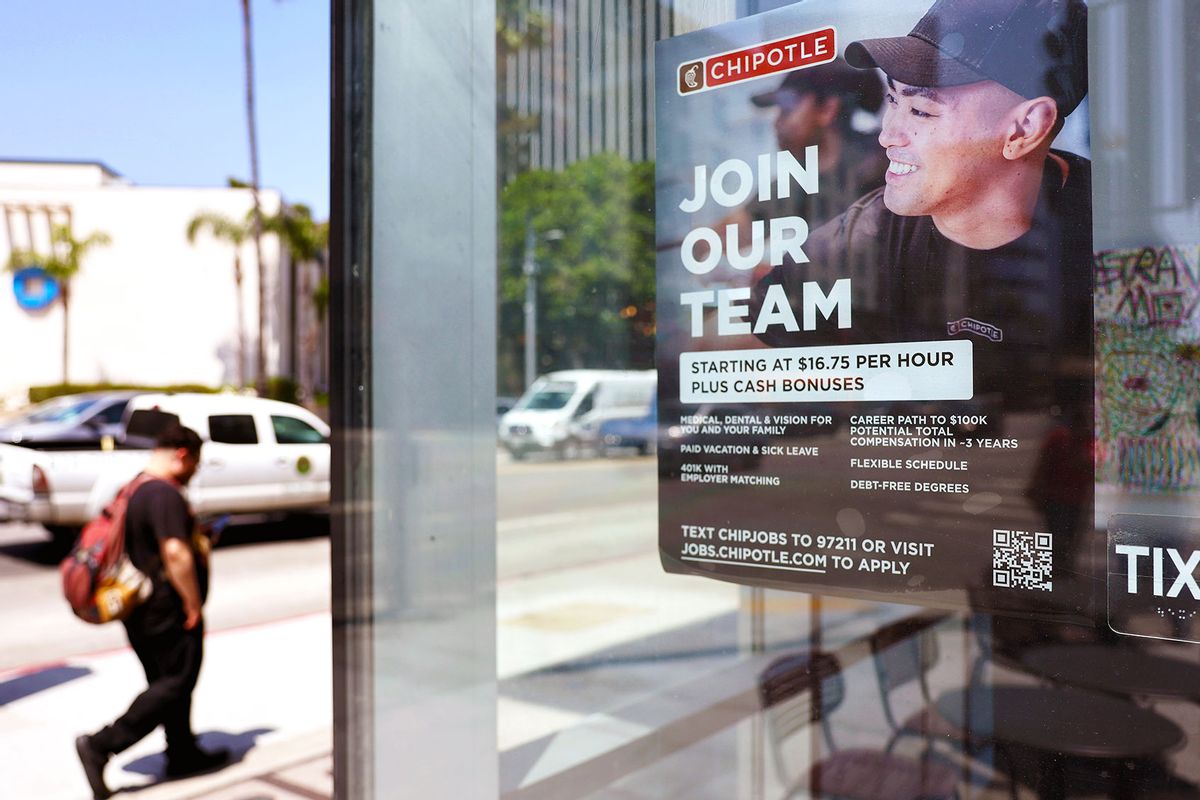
(34, 288)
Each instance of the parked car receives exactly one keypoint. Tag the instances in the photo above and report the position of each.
(70, 422)
(259, 456)
(550, 416)
(588, 429)
(637, 432)
(504, 404)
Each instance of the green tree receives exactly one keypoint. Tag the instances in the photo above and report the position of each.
(320, 295)
(305, 238)
(61, 263)
(595, 282)
(307, 242)
(234, 233)
(518, 27)
(260, 357)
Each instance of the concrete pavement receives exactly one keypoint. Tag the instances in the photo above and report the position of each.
(265, 688)
(265, 693)
(597, 600)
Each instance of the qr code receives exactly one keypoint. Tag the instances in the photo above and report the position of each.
(1022, 560)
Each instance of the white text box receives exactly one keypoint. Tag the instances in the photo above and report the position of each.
(939, 370)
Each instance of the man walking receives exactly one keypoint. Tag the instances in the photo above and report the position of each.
(167, 630)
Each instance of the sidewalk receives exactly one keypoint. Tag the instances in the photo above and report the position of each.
(300, 769)
(264, 693)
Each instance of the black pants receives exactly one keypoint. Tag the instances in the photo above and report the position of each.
(171, 660)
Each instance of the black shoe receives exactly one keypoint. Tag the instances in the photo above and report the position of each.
(196, 762)
(93, 766)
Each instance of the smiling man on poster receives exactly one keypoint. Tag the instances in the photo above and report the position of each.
(978, 90)
(982, 230)
(976, 94)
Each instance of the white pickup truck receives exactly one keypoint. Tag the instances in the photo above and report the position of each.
(259, 456)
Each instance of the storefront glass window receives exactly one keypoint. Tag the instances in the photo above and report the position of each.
(750, 399)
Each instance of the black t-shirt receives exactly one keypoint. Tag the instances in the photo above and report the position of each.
(911, 283)
(158, 511)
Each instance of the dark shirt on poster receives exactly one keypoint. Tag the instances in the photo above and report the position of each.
(910, 283)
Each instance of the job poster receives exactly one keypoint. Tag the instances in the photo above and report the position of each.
(874, 329)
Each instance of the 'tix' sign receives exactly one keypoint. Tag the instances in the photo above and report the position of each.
(1184, 576)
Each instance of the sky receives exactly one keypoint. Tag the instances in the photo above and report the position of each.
(155, 90)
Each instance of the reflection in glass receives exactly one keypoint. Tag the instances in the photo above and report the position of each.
(616, 679)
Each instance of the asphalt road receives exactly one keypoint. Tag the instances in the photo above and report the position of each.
(535, 487)
(553, 517)
(268, 572)
(271, 572)
(261, 573)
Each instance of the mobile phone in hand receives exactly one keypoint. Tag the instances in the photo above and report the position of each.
(217, 526)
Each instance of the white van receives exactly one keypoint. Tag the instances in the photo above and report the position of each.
(560, 405)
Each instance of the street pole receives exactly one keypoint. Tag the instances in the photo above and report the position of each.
(530, 269)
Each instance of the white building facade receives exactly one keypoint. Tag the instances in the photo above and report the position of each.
(148, 308)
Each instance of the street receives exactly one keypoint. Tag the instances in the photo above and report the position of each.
(578, 581)
(572, 537)
(272, 576)
(264, 572)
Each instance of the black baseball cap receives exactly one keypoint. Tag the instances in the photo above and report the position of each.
(825, 80)
(1034, 47)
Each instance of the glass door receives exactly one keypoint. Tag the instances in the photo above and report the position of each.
(750, 399)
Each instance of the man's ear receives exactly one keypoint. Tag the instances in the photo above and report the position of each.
(1032, 124)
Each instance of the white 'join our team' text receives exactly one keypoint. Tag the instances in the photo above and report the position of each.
(730, 185)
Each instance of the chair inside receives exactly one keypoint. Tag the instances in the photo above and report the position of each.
(799, 689)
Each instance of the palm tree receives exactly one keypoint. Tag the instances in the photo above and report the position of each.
(62, 263)
(304, 237)
(233, 233)
(260, 360)
(306, 241)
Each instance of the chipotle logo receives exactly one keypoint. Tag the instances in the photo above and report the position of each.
(782, 55)
(691, 77)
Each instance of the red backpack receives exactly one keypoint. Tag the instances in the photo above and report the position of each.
(99, 581)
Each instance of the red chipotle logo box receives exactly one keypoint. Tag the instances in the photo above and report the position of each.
(768, 58)
(865, 386)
